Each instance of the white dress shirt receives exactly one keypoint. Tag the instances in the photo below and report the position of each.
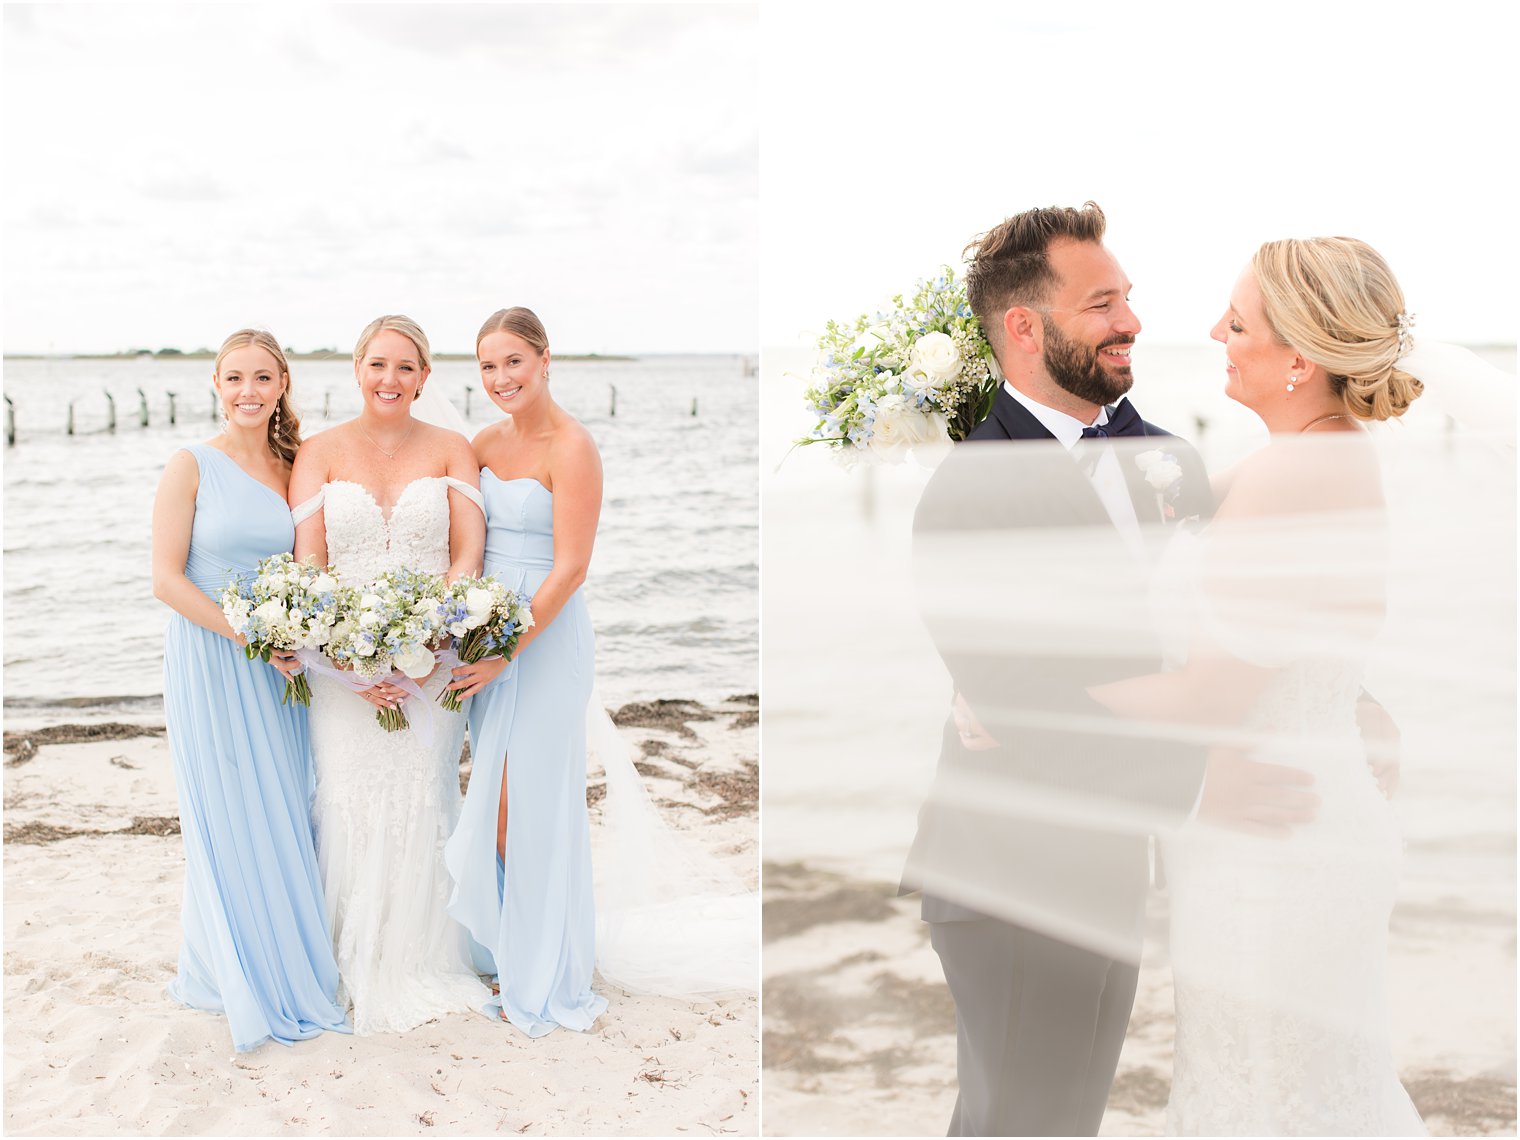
(1113, 492)
(1107, 479)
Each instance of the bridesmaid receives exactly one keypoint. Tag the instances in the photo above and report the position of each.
(256, 943)
(521, 855)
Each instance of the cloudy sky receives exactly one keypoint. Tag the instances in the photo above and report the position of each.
(1201, 129)
(176, 171)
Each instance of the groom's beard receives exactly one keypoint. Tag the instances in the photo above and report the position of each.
(1076, 367)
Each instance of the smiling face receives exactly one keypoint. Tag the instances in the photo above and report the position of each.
(1257, 364)
(512, 370)
(249, 383)
(390, 373)
(1088, 324)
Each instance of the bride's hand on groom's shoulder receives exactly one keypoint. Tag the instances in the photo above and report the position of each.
(470, 679)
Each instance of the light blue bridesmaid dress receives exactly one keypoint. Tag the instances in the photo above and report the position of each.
(532, 921)
(256, 942)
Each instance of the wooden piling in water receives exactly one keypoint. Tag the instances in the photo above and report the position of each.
(469, 391)
(111, 412)
(142, 408)
(171, 408)
(693, 405)
(612, 410)
(10, 423)
(327, 403)
(68, 427)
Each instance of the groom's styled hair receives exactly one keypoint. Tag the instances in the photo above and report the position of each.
(1010, 265)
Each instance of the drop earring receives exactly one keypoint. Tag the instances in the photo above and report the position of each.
(277, 421)
(1292, 380)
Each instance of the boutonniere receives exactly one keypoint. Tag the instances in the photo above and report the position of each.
(1164, 474)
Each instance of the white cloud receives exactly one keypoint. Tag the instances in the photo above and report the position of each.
(312, 166)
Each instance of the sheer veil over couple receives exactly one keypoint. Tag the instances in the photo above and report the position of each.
(1157, 678)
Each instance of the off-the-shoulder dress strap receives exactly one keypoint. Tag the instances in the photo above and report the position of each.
(464, 489)
(311, 506)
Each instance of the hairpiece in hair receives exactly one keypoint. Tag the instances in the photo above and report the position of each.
(1406, 333)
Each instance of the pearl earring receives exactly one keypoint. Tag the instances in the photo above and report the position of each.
(277, 421)
(1292, 380)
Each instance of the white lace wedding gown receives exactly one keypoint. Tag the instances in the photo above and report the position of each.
(1278, 945)
(386, 802)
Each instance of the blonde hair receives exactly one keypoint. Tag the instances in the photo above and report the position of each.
(520, 322)
(403, 325)
(1335, 300)
(284, 441)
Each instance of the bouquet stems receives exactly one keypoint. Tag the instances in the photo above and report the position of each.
(297, 690)
(392, 720)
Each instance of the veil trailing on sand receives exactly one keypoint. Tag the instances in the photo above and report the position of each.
(670, 918)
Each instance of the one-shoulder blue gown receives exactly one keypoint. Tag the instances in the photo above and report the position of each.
(532, 925)
(256, 940)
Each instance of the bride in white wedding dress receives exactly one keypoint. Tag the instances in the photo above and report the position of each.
(1279, 939)
(382, 492)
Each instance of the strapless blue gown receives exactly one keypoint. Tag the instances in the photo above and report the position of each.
(256, 941)
(532, 923)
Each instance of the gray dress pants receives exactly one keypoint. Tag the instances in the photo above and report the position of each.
(1039, 1026)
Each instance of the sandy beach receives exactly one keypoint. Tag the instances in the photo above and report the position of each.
(93, 877)
(860, 1029)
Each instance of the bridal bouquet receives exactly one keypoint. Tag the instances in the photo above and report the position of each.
(285, 605)
(920, 372)
(391, 623)
(486, 618)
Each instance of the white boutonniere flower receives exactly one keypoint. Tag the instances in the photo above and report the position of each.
(1164, 474)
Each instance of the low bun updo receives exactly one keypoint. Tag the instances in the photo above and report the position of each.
(1335, 300)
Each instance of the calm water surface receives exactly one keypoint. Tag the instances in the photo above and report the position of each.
(673, 587)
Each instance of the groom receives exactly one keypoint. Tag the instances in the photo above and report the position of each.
(1041, 1009)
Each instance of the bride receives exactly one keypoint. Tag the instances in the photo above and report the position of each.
(382, 492)
(1278, 941)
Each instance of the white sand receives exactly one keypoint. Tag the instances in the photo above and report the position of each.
(93, 1045)
(860, 1030)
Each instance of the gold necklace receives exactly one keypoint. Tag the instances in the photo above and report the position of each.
(1322, 419)
(381, 450)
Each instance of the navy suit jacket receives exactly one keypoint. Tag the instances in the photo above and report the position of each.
(1019, 856)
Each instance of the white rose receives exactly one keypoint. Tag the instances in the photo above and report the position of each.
(271, 613)
(900, 427)
(477, 603)
(369, 618)
(1162, 474)
(1147, 459)
(324, 584)
(937, 355)
(416, 661)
